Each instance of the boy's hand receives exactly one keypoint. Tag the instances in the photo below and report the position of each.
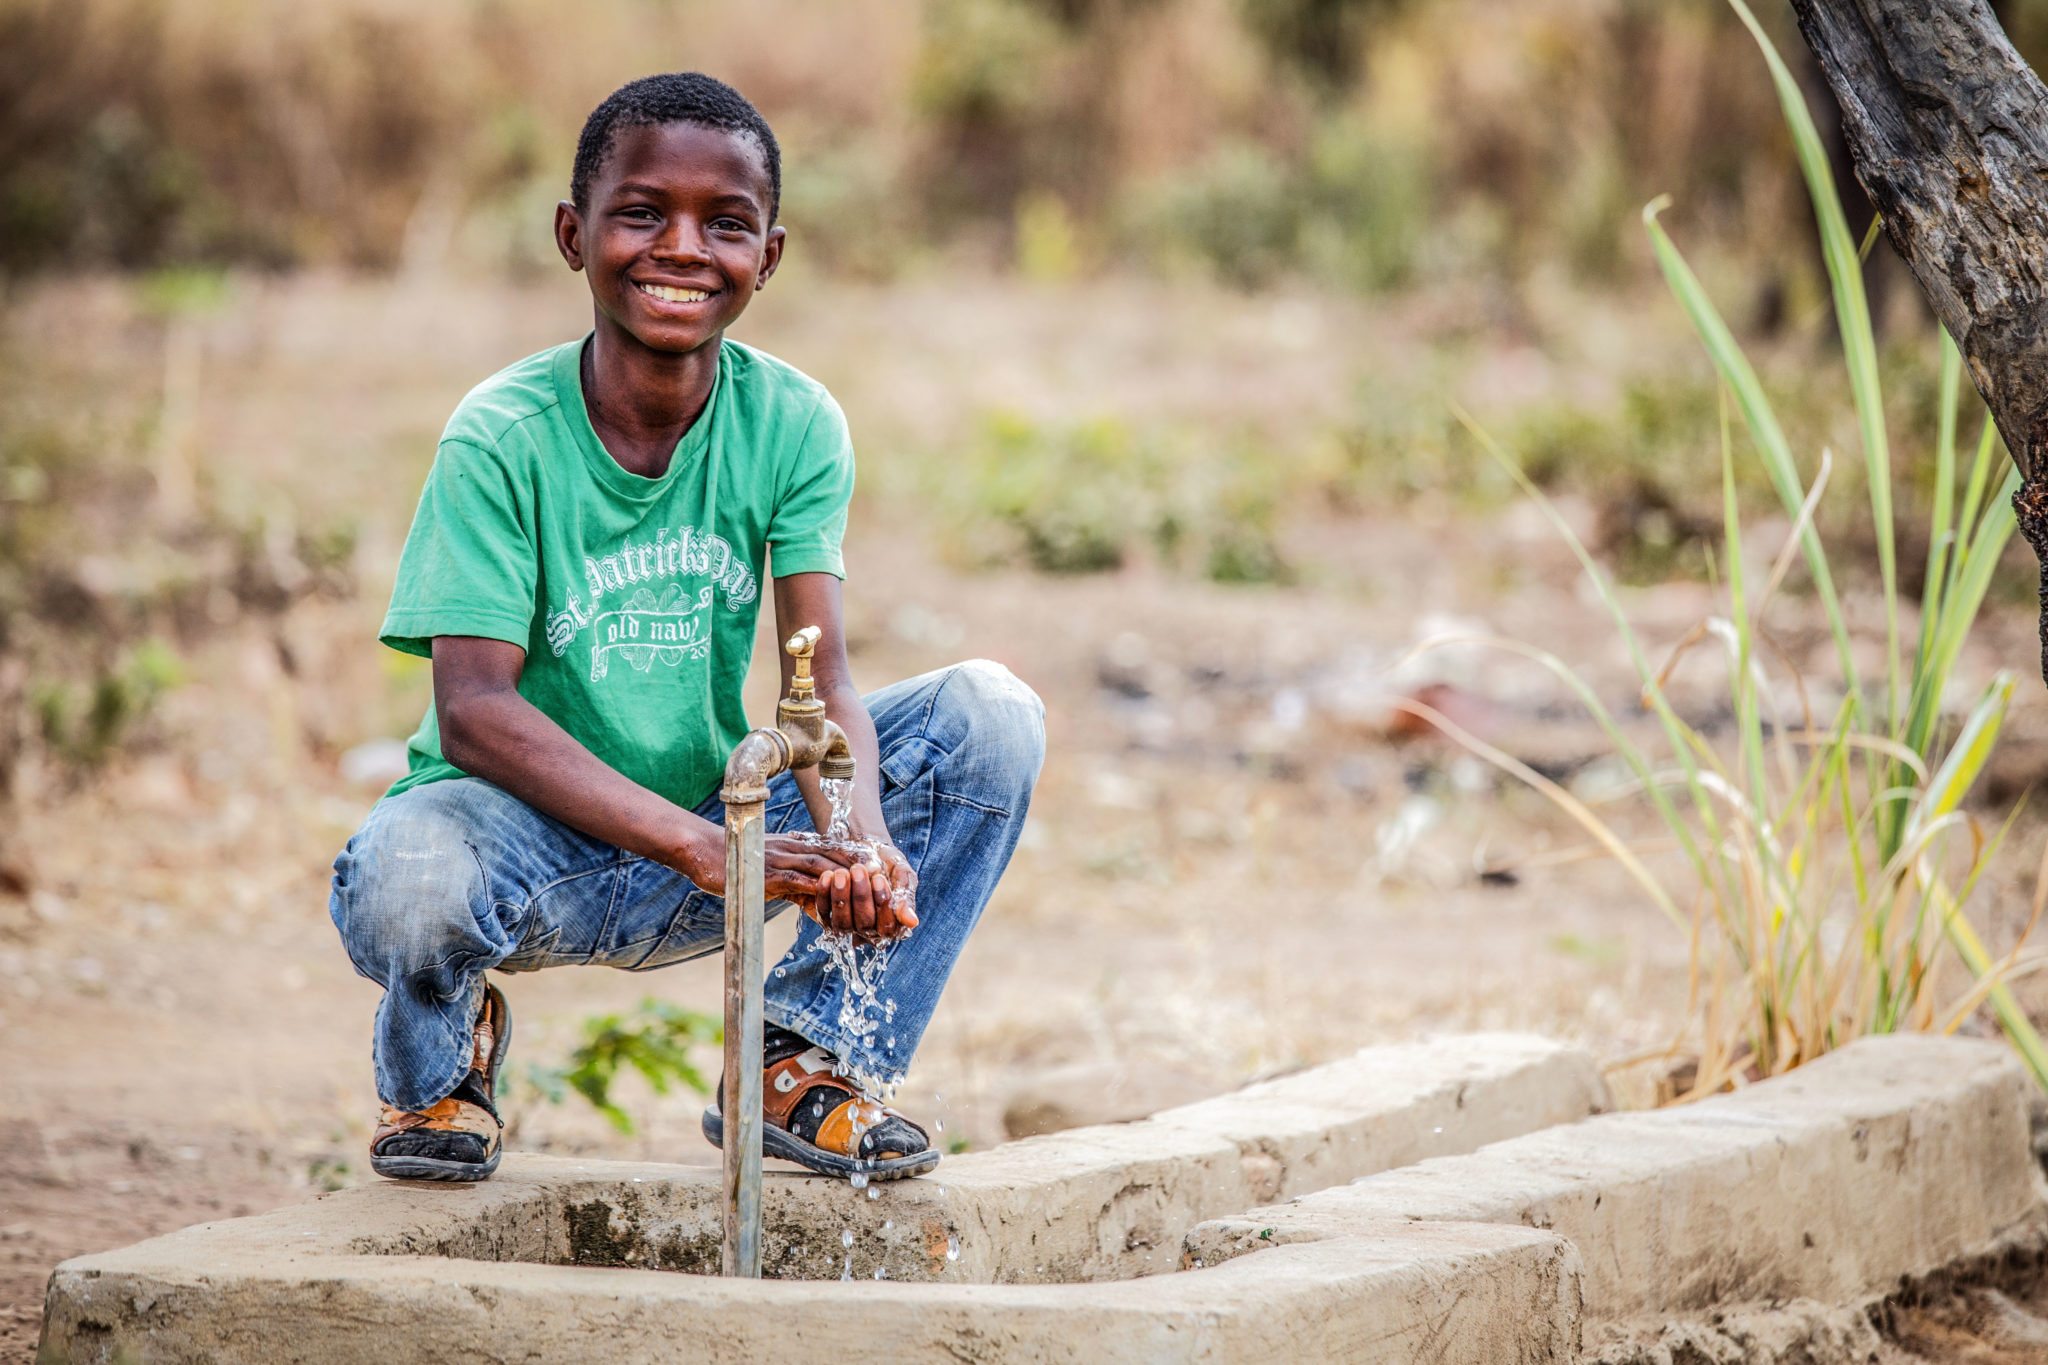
(796, 870)
(793, 869)
(873, 901)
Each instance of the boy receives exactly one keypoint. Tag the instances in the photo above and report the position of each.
(584, 572)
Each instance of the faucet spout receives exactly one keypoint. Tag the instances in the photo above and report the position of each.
(838, 757)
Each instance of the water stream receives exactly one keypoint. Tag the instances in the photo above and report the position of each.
(862, 1010)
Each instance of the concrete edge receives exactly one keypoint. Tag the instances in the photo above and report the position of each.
(1765, 1193)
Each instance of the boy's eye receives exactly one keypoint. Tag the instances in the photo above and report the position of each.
(640, 212)
(728, 225)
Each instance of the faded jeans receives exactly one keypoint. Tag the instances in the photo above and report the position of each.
(446, 881)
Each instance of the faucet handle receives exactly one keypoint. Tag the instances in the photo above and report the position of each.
(799, 647)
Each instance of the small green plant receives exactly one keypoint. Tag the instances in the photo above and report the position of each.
(1092, 496)
(83, 723)
(654, 1040)
(1832, 858)
(1073, 500)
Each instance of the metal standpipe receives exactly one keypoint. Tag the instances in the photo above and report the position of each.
(741, 1099)
(801, 738)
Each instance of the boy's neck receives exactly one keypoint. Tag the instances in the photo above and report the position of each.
(641, 401)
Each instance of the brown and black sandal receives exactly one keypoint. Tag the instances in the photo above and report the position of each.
(459, 1137)
(818, 1119)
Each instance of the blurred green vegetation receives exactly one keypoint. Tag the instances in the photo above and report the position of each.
(118, 550)
(1355, 144)
(1097, 495)
(657, 1041)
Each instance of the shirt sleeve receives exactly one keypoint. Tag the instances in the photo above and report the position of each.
(809, 521)
(470, 564)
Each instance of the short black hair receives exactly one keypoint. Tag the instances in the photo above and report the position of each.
(677, 97)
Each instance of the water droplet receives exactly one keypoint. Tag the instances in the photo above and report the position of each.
(952, 1248)
(881, 1273)
(874, 1191)
(1436, 1130)
(846, 1272)
(859, 1180)
(846, 1238)
(939, 1124)
(888, 1223)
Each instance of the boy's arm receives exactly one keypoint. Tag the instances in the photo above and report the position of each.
(490, 731)
(814, 599)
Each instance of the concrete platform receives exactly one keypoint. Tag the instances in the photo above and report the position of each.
(1440, 1294)
(1891, 1158)
(1895, 1159)
(554, 1259)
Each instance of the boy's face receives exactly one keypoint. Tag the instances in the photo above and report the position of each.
(675, 239)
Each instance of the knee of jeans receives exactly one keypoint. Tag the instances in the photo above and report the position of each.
(409, 892)
(1002, 721)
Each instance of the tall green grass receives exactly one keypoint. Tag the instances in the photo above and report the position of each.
(1832, 859)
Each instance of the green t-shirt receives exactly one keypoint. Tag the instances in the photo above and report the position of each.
(634, 598)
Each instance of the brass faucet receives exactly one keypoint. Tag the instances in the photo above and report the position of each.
(802, 737)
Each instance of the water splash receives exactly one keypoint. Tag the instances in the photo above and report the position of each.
(862, 967)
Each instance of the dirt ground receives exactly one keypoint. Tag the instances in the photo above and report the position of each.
(1235, 863)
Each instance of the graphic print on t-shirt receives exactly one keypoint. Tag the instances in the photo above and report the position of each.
(666, 625)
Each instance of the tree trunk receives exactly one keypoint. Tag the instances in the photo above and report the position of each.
(1948, 128)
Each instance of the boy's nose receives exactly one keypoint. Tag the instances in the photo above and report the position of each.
(684, 240)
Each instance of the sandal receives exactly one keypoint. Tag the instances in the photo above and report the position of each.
(459, 1137)
(815, 1117)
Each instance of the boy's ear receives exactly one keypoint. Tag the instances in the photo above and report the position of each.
(569, 234)
(771, 256)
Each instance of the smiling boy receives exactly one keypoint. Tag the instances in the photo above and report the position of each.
(585, 571)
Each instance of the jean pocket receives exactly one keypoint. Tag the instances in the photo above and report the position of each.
(909, 760)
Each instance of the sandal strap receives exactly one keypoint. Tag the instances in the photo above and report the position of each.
(844, 1127)
(791, 1079)
(786, 1083)
(443, 1116)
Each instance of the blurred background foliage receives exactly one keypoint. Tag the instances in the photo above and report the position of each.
(1385, 151)
(1359, 144)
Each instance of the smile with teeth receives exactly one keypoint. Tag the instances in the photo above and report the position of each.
(668, 294)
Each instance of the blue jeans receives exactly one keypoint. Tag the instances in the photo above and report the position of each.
(446, 881)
